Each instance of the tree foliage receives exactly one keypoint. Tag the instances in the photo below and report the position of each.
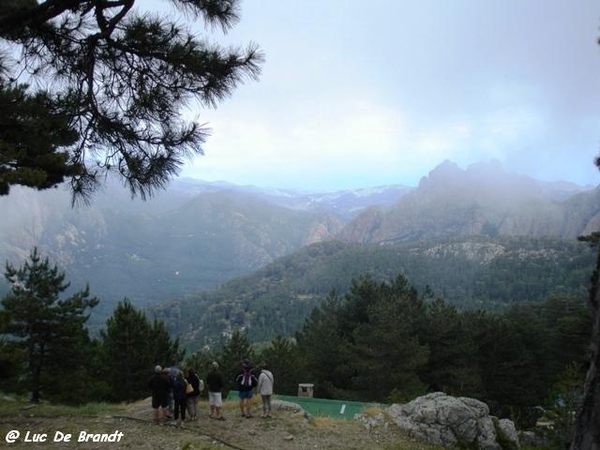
(282, 357)
(385, 341)
(586, 433)
(48, 327)
(276, 299)
(96, 87)
(132, 346)
(235, 350)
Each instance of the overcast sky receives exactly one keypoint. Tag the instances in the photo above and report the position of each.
(366, 93)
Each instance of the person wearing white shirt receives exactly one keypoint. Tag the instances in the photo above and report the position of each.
(265, 389)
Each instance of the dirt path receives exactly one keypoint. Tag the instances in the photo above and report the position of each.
(134, 429)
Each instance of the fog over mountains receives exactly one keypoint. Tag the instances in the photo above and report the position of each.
(197, 235)
(481, 200)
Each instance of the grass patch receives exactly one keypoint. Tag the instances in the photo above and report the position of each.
(19, 406)
(373, 411)
(326, 422)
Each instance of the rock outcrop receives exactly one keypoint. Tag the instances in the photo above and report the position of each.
(440, 419)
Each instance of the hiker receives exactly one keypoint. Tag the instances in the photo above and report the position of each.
(167, 373)
(192, 398)
(246, 381)
(215, 384)
(160, 387)
(265, 389)
(179, 397)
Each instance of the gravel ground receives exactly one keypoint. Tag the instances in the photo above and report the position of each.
(134, 429)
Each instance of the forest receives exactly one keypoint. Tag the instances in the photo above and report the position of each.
(381, 341)
(470, 273)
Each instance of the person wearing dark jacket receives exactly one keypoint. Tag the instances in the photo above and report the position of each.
(215, 385)
(179, 397)
(160, 386)
(192, 398)
(246, 381)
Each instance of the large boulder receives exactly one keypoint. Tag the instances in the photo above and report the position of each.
(440, 419)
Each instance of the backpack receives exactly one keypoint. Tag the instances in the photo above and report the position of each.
(248, 379)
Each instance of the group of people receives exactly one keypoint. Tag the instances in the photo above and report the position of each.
(175, 394)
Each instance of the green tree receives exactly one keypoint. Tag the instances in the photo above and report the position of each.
(131, 347)
(164, 349)
(586, 433)
(325, 353)
(565, 397)
(34, 129)
(106, 87)
(452, 366)
(49, 327)
(389, 342)
(282, 356)
(200, 361)
(235, 350)
(12, 356)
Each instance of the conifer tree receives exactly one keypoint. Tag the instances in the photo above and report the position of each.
(389, 341)
(51, 328)
(132, 347)
(89, 88)
(237, 349)
(324, 352)
(282, 357)
(452, 366)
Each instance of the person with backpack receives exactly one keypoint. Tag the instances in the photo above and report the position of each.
(265, 389)
(246, 382)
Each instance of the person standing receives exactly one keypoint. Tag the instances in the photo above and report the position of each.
(160, 386)
(179, 398)
(265, 389)
(192, 398)
(167, 372)
(246, 381)
(215, 385)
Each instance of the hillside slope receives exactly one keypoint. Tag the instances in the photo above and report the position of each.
(469, 272)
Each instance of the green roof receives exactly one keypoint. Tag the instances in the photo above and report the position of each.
(340, 409)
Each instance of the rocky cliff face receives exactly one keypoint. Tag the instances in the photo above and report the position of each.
(482, 200)
(160, 248)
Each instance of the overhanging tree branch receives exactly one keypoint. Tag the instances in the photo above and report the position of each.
(120, 79)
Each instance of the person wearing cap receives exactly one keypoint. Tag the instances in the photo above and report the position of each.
(215, 385)
(246, 381)
(160, 386)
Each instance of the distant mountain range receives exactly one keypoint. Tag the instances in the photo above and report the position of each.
(482, 200)
(198, 235)
(194, 236)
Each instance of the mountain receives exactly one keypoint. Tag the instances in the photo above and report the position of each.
(194, 236)
(198, 235)
(482, 200)
(470, 272)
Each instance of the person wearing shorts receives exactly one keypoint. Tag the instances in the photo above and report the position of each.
(246, 381)
(160, 387)
(215, 384)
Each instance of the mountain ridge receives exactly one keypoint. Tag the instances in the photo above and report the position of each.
(480, 200)
(198, 235)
